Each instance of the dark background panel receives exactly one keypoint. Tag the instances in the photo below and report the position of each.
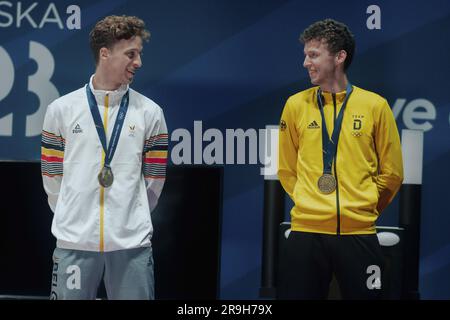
(186, 242)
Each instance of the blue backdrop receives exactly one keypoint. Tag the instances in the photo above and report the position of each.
(232, 64)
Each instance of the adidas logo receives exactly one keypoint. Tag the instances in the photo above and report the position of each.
(77, 129)
(313, 125)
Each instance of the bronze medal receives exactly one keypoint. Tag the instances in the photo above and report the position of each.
(327, 183)
(106, 177)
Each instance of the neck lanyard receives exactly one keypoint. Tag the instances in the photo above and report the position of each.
(329, 146)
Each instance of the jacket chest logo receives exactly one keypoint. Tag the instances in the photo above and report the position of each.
(358, 121)
(131, 130)
(77, 129)
(313, 125)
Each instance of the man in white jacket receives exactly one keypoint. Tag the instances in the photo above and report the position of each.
(104, 156)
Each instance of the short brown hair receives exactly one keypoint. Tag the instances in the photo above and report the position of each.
(336, 34)
(112, 29)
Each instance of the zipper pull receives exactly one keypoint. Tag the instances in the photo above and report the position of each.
(107, 100)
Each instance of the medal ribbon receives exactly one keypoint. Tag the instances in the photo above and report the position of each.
(329, 146)
(111, 149)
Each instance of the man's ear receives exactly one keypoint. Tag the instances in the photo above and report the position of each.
(340, 57)
(104, 53)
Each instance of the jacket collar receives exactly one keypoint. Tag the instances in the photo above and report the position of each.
(328, 97)
(115, 97)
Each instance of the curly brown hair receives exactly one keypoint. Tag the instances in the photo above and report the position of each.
(336, 34)
(112, 29)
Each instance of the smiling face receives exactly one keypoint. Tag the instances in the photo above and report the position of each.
(121, 61)
(320, 63)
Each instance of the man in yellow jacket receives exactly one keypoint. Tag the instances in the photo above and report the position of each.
(340, 162)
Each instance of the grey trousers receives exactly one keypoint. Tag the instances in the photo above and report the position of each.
(128, 274)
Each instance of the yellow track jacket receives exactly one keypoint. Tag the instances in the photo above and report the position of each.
(368, 166)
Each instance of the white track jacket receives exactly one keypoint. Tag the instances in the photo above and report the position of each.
(86, 215)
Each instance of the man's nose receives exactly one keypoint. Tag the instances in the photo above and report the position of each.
(137, 63)
(306, 62)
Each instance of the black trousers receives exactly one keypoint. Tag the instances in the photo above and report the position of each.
(309, 261)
